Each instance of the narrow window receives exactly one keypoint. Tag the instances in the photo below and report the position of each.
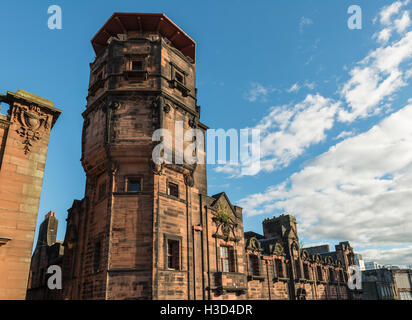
(341, 277)
(134, 185)
(102, 190)
(306, 271)
(137, 65)
(224, 259)
(97, 256)
(173, 189)
(227, 259)
(320, 277)
(254, 265)
(173, 256)
(279, 268)
(331, 275)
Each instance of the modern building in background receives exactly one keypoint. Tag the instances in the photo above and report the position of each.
(387, 284)
(149, 231)
(372, 265)
(360, 262)
(24, 139)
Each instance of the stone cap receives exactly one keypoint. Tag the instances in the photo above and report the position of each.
(30, 98)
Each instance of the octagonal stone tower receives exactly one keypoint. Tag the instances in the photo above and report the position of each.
(139, 232)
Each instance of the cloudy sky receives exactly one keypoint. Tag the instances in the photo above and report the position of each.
(334, 106)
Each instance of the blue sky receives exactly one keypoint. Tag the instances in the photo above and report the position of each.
(332, 104)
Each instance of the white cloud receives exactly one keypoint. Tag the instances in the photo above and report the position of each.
(294, 88)
(304, 21)
(258, 92)
(388, 11)
(345, 134)
(360, 190)
(380, 74)
(393, 256)
(287, 131)
(403, 23)
(376, 77)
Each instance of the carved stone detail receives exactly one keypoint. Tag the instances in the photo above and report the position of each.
(32, 122)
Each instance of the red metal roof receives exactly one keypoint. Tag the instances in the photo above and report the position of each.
(121, 22)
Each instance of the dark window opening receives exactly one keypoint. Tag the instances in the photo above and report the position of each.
(97, 256)
(134, 185)
(173, 189)
(331, 275)
(320, 276)
(306, 271)
(173, 256)
(137, 65)
(279, 268)
(179, 77)
(254, 269)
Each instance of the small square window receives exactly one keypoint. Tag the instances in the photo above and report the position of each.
(137, 65)
(179, 77)
(134, 185)
(173, 189)
(173, 254)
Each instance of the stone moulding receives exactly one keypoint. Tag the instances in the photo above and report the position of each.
(34, 116)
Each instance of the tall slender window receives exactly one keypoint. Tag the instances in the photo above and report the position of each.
(254, 265)
(173, 254)
(279, 268)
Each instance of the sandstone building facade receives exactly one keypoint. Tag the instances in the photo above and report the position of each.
(24, 138)
(147, 231)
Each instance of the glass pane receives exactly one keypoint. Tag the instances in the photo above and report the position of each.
(223, 252)
(225, 265)
(134, 185)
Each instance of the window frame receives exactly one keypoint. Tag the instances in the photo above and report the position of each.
(168, 189)
(178, 240)
(127, 183)
(230, 259)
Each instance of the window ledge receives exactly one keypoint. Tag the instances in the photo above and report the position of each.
(136, 74)
(180, 86)
(253, 277)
